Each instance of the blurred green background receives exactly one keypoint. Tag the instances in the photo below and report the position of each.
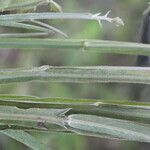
(131, 12)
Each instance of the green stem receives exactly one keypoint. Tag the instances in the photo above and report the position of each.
(77, 74)
(48, 15)
(73, 44)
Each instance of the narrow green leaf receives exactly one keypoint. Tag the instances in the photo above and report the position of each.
(39, 27)
(25, 138)
(25, 26)
(49, 27)
(17, 35)
(106, 127)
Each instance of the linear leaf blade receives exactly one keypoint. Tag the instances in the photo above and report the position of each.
(106, 127)
(25, 138)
